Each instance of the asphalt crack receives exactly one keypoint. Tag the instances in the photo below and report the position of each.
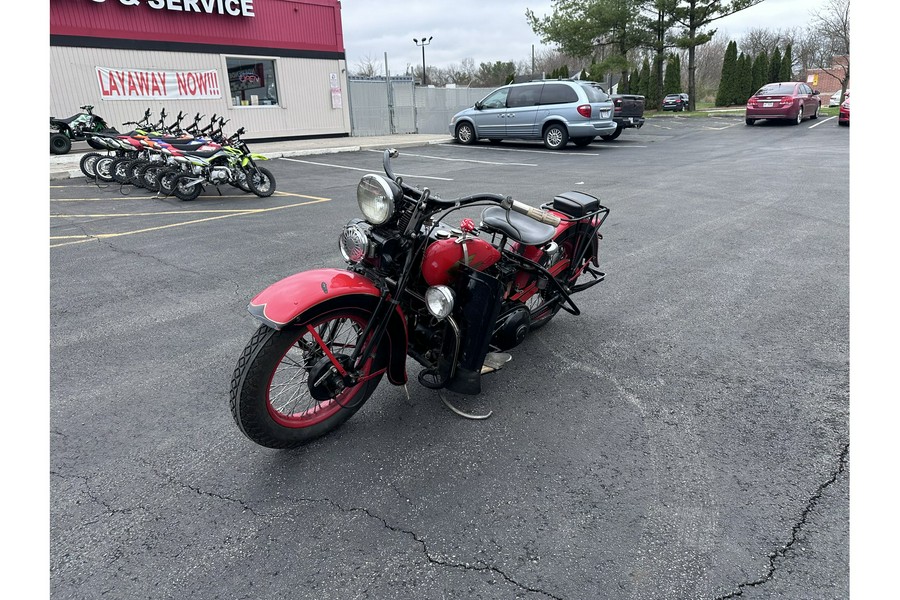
(479, 566)
(795, 530)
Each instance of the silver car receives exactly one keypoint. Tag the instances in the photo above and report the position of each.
(554, 111)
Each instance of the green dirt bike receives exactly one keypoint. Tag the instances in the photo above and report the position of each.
(77, 128)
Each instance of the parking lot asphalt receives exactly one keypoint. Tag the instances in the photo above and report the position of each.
(686, 436)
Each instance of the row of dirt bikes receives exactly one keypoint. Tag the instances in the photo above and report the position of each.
(172, 160)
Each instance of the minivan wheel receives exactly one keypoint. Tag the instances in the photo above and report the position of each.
(611, 136)
(581, 142)
(465, 133)
(556, 137)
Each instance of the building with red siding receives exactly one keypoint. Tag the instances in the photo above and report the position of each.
(275, 67)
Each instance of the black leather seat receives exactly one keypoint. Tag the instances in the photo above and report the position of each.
(517, 226)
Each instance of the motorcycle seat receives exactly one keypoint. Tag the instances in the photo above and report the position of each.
(517, 226)
(199, 153)
(67, 120)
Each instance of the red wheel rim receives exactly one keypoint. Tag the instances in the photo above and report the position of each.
(288, 398)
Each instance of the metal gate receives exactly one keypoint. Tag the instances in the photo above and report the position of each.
(382, 106)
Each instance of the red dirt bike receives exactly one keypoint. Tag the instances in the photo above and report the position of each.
(453, 299)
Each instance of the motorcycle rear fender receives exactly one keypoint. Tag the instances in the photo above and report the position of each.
(291, 299)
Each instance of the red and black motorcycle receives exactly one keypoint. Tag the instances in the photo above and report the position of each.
(453, 299)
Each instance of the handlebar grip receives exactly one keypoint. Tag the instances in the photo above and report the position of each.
(535, 213)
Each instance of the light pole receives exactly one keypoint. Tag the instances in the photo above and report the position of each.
(423, 43)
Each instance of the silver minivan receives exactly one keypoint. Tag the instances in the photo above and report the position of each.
(549, 110)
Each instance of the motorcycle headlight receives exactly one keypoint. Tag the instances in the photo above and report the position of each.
(376, 196)
(354, 242)
(439, 301)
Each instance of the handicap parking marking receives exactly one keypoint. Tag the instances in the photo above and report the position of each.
(80, 239)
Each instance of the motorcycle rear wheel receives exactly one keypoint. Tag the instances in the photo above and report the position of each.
(103, 167)
(119, 169)
(87, 164)
(166, 178)
(185, 191)
(271, 395)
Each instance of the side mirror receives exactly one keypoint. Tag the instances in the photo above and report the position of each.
(479, 105)
(815, 92)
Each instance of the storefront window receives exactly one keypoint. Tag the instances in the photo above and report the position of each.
(252, 81)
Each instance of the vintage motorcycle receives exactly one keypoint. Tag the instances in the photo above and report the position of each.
(453, 299)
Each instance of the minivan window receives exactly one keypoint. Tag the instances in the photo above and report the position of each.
(495, 99)
(595, 93)
(526, 95)
(558, 93)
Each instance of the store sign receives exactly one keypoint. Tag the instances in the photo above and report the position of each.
(235, 8)
(134, 84)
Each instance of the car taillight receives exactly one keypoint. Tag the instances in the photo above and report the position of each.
(584, 110)
(787, 100)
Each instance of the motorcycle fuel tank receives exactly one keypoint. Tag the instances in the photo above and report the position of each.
(442, 258)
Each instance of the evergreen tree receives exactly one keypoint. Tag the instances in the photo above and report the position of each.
(634, 84)
(760, 70)
(672, 79)
(745, 78)
(787, 65)
(645, 78)
(775, 66)
(727, 88)
(654, 88)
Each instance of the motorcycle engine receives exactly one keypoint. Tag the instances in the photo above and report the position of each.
(219, 174)
(512, 328)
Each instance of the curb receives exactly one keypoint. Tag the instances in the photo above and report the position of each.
(62, 173)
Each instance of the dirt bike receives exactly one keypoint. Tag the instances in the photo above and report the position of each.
(453, 299)
(230, 161)
(75, 129)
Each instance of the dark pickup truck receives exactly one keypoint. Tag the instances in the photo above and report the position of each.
(629, 112)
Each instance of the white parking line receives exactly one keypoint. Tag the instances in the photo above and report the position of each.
(480, 162)
(823, 121)
(309, 162)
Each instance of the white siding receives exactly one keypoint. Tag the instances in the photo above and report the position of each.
(304, 91)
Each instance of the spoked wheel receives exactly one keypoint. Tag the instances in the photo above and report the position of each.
(134, 172)
(465, 133)
(103, 168)
(286, 390)
(150, 177)
(166, 178)
(261, 181)
(119, 170)
(87, 163)
(186, 187)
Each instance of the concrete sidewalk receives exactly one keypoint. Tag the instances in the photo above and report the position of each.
(65, 166)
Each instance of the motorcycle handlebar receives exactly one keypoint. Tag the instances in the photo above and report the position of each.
(505, 202)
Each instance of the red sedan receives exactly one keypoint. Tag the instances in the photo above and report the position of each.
(844, 112)
(791, 100)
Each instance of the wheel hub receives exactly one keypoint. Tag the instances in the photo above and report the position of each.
(325, 381)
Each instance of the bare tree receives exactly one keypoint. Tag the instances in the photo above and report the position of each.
(829, 36)
(368, 67)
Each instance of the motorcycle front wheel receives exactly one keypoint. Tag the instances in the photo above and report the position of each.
(87, 163)
(285, 391)
(261, 181)
(103, 168)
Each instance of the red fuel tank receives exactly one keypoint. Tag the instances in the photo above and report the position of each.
(440, 264)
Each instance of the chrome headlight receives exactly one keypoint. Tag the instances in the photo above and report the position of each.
(376, 196)
(439, 301)
(354, 242)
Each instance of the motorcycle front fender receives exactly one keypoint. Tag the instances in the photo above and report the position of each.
(288, 300)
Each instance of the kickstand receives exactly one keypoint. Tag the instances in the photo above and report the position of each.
(461, 413)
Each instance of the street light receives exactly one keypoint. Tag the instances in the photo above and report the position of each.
(423, 43)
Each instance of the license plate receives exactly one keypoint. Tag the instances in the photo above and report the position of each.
(767, 104)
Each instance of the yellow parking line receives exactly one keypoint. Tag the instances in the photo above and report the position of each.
(299, 196)
(162, 212)
(142, 197)
(100, 236)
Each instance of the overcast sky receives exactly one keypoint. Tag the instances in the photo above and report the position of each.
(490, 30)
